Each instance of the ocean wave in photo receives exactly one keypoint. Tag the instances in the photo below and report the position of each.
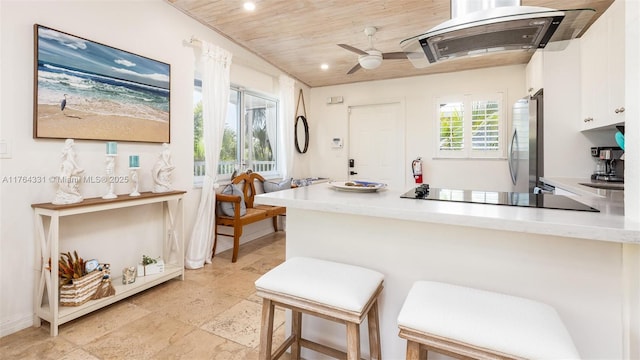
(100, 94)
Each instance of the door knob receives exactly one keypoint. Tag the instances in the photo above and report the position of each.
(353, 173)
(619, 110)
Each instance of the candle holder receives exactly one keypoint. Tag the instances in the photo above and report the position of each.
(112, 148)
(110, 171)
(133, 175)
(134, 165)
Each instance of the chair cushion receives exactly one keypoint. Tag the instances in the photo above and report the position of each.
(271, 186)
(227, 208)
(500, 322)
(342, 286)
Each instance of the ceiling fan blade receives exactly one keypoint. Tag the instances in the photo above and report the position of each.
(355, 68)
(355, 50)
(394, 55)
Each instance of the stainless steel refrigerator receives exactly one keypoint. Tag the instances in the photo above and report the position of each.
(526, 150)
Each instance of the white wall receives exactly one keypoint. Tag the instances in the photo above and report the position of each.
(150, 28)
(418, 94)
(632, 105)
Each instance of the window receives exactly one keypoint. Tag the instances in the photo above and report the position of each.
(250, 135)
(470, 126)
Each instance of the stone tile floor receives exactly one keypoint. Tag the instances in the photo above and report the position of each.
(213, 314)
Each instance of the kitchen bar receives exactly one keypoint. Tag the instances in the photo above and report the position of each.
(582, 263)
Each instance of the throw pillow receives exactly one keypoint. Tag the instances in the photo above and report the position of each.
(227, 208)
(270, 186)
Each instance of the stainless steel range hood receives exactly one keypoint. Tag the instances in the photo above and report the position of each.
(495, 30)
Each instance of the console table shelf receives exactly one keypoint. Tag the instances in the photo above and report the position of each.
(47, 223)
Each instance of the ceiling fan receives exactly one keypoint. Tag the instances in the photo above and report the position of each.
(371, 58)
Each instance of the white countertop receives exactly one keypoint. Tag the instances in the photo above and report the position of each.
(607, 225)
(607, 201)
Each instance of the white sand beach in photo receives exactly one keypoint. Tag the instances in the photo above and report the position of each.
(77, 124)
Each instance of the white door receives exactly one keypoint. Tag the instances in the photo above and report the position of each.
(376, 143)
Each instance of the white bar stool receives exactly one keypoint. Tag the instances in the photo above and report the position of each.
(469, 323)
(339, 292)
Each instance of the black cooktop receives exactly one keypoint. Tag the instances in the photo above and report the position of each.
(546, 201)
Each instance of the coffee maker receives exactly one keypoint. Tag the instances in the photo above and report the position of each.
(609, 167)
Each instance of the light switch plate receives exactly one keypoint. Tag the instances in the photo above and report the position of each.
(5, 150)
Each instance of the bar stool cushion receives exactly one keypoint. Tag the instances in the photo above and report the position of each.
(342, 286)
(505, 323)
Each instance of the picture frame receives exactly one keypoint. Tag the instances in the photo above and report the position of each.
(87, 90)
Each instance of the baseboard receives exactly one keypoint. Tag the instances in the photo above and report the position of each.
(10, 326)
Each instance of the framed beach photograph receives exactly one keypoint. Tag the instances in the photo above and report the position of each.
(87, 90)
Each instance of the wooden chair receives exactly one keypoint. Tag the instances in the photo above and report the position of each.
(246, 182)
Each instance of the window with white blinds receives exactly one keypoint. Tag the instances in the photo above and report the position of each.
(451, 115)
(470, 126)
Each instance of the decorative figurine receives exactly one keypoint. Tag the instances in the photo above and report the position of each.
(69, 178)
(161, 172)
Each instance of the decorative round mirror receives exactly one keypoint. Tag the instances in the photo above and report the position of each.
(302, 132)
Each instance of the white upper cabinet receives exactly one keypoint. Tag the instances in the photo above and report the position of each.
(534, 73)
(602, 70)
(616, 63)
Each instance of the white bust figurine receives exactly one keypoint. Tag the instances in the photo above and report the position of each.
(161, 172)
(69, 177)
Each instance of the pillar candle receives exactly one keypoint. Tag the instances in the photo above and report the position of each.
(112, 148)
(134, 161)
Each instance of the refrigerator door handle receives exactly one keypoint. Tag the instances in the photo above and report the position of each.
(513, 157)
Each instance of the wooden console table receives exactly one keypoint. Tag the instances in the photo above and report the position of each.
(47, 222)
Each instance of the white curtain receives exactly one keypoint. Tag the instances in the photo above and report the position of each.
(287, 122)
(215, 97)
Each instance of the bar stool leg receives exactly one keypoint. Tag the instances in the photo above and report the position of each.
(414, 352)
(374, 332)
(296, 331)
(266, 329)
(353, 341)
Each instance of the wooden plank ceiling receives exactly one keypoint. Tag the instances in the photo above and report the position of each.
(297, 36)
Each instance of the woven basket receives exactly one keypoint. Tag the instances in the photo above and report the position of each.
(81, 290)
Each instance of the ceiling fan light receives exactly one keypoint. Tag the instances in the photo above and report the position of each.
(249, 6)
(370, 62)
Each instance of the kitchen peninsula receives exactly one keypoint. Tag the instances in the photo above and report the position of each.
(578, 262)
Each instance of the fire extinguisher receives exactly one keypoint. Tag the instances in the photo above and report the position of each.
(416, 166)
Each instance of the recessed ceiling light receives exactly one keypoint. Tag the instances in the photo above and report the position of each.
(324, 66)
(249, 6)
